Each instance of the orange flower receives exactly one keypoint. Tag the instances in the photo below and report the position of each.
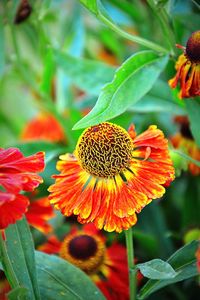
(106, 266)
(17, 173)
(184, 140)
(39, 212)
(108, 57)
(112, 175)
(43, 127)
(188, 68)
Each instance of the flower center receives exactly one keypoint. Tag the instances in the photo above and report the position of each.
(84, 251)
(193, 47)
(82, 247)
(104, 150)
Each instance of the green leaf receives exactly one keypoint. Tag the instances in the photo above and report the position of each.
(60, 280)
(183, 262)
(19, 293)
(91, 5)
(48, 73)
(51, 150)
(2, 47)
(20, 250)
(87, 74)
(157, 269)
(189, 158)
(132, 80)
(159, 99)
(193, 109)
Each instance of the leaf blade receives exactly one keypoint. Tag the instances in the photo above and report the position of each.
(132, 80)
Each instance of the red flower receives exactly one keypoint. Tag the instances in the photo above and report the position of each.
(188, 68)
(4, 286)
(197, 254)
(17, 173)
(112, 175)
(106, 266)
(43, 127)
(39, 212)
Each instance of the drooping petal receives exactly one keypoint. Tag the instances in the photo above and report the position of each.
(11, 211)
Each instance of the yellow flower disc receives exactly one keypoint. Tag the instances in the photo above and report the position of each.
(104, 150)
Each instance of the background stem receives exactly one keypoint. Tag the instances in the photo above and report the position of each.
(131, 264)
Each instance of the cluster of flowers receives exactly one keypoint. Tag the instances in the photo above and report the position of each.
(111, 176)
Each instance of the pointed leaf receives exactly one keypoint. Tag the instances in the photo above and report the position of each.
(20, 250)
(193, 109)
(132, 80)
(157, 269)
(60, 280)
(87, 74)
(183, 262)
(19, 293)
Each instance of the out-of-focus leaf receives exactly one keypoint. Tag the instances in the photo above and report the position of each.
(88, 75)
(60, 280)
(2, 50)
(159, 99)
(132, 80)
(20, 250)
(51, 150)
(1, 267)
(156, 269)
(183, 262)
(189, 158)
(193, 109)
(91, 5)
(47, 84)
(19, 293)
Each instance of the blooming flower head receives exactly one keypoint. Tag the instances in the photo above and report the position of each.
(39, 212)
(17, 173)
(86, 249)
(43, 127)
(188, 68)
(185, 141)
(112, 175)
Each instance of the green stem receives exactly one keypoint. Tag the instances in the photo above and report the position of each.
(131, 264)
(7, 265)
(133, 38)
(163, 19)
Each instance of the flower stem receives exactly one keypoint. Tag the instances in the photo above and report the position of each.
(7, 265)
(131, 37)
(131, 264)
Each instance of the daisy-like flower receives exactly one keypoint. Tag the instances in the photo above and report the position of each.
(112, 175)
(43, 127)
(188, 68)
(185, 141)
(17, 173)
(106, 266)
(39, 213)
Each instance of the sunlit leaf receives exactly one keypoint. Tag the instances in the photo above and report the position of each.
(132, 80)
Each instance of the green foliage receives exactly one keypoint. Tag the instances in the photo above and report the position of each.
(60, 280)
(183, 262)
(20, 249)
(134, 79)
(156, 269)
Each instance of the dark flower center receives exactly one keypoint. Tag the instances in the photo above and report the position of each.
(186, 132)
(193, 47)
(82, 247)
